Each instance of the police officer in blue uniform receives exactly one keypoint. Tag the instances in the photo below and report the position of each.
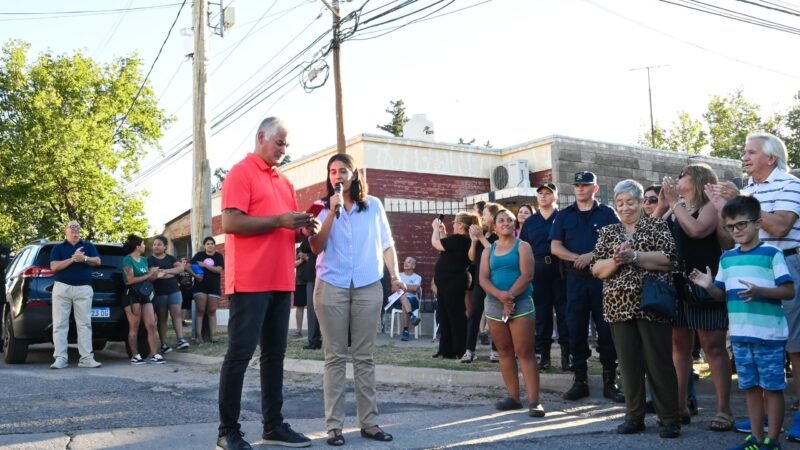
(551, 288)
(573, 236)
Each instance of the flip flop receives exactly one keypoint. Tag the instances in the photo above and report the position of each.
(337, 439)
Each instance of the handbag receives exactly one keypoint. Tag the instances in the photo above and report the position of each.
(658, 297)
(142, 290)
(690, 292)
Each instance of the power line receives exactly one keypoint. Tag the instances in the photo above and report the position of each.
(113, 31)
(737, 16)
(245, 36)
(766, 5)
(158, 55)
(430, 16)
(47, 15)
(690, 43)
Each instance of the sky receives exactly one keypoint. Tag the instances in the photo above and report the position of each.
(504, 71)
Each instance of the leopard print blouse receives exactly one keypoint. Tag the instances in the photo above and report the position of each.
(622, 291)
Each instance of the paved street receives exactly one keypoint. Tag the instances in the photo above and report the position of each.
(174, 406)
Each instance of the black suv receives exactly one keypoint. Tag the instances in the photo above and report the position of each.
(28, 314)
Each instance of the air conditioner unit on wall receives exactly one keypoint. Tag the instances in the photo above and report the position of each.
(510, 174)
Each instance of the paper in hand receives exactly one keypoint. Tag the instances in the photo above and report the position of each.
(393, 298)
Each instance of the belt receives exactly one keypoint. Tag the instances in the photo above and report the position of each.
(549, 259)
(791, 251)
(583, 273)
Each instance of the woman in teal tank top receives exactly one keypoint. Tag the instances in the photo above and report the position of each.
(506, 274)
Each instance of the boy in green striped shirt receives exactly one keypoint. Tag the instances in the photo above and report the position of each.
(753, 278)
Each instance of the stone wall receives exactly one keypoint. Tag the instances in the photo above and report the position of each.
(615, 162)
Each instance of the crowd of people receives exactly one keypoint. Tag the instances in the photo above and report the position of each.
(693, 257)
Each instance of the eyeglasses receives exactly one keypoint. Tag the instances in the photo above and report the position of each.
(650, 199)
(738, 225)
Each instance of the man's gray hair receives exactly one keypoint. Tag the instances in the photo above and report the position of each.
(630, 187)
(269, 127)
(772, 145)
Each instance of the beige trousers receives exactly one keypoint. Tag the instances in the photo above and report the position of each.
(354, 312)
(76, 299)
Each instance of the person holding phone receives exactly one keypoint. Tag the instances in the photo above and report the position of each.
(353, 244)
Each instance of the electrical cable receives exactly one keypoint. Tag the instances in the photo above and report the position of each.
(773, 8)
(47, 15)
(238, 43)
(110, 35)
(135, 97)
(758, 22)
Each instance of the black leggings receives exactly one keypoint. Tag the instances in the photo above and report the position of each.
(452, 320)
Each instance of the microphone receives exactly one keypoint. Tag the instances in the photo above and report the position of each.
(338, 189)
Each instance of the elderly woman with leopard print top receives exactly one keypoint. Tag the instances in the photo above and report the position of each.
(625, 253)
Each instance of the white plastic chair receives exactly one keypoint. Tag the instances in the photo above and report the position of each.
(397, 312)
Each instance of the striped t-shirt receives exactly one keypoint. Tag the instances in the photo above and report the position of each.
(779, 192)
(760, 320)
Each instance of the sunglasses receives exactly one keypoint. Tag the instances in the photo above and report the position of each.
(739, 225)
(650, 199)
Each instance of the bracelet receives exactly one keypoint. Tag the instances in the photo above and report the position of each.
(395, 278)
(635, 257)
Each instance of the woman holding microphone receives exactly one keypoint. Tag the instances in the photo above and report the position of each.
(353, 244)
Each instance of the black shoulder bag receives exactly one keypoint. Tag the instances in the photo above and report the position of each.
(658, 297)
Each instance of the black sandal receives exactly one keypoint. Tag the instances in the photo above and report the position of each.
(379, 436)
(337, 439)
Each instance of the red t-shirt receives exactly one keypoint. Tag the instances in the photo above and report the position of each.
(259, 262)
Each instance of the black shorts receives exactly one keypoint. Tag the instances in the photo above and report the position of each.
(128, 300)
(300, 297)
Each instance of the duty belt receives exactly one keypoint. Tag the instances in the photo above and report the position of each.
(549, 259)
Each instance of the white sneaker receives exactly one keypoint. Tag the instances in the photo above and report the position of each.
(156, 359)
(89, 363)
(494, 357)
(59, 363)
(468, 357)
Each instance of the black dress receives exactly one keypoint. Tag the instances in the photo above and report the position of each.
(450, 276)
(698, 254)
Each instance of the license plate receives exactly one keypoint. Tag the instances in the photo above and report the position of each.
(104, 312)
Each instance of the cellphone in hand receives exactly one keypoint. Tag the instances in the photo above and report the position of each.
(441, 217)
(315, 208)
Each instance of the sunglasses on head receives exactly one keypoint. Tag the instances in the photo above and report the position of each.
(738, 225)
(650, 199)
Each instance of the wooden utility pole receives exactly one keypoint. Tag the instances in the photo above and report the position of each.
(337, 77)
(201, 175)
(650, 100)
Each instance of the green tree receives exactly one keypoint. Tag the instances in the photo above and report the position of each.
(655, 138)
(787, 127)
(70, 137)
(399, 119)
(730, 119)
(686, 135)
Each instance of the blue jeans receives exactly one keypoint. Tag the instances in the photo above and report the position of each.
(585, 298)
(255, 318)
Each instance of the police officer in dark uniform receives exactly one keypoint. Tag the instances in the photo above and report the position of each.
(574, 235)
(548, 280)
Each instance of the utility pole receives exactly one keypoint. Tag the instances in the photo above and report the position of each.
(337, 77)
(201, 178)
(650, 99)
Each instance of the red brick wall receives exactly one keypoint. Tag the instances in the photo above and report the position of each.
(390, 183)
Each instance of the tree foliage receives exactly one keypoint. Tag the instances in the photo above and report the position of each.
(398, 112)
(730, 119)
(685, 135)
(69, 140)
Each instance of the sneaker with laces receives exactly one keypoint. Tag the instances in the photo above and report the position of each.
(183, 344)
(468, 357)
(59, 363)
(233, 440)
(156, 359)
(769, 444)
(494, 357)
(414, 319)
(137, 360)
(794, 432)
(88, 363)
(406, 336)
(283, 435)
(507, 404)
(750, 443)
(165, 349)
(536, 410)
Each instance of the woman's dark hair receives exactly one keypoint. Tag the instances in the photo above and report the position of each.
(502, 210)
(358, 187)
(742, 205)
(209, 238)
(131, 243)
(163, 239)
(653, 187)
(480, 204)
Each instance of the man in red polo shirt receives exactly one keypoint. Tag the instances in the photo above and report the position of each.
(261, 224)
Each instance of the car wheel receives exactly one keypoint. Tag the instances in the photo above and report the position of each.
(16, 350)
(98, 344)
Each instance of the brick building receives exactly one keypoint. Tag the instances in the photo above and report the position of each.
(419, 179)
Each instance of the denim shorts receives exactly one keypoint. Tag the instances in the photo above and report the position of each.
(760, 365)
(523, 307)
(163, 301)
(412, 300)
